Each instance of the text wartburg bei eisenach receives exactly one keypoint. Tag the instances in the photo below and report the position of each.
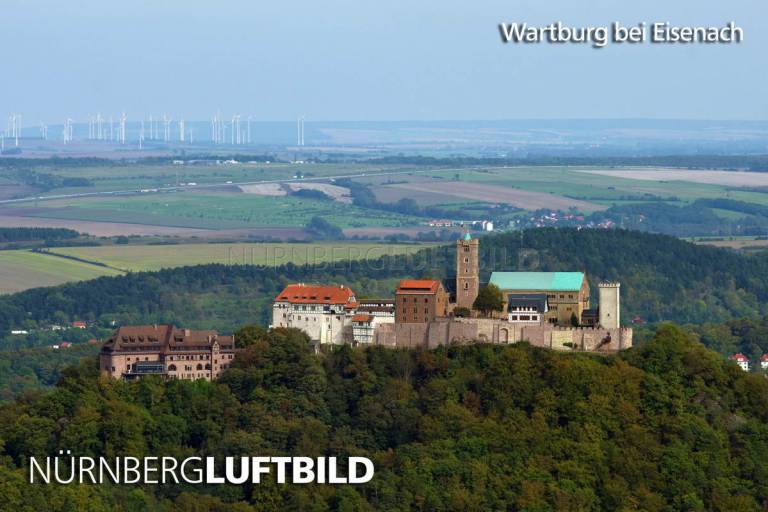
(600, 36)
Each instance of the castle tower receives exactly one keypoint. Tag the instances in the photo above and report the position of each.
(609, 306)
(467, 271)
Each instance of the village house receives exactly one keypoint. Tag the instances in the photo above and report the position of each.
(741, 360)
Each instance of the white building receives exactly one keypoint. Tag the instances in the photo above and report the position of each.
(323, 312)
(764, 363)
(741, 360)
(369, 315)
(526, 308)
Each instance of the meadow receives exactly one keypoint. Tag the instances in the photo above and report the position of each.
(22, 269)
(154, 257)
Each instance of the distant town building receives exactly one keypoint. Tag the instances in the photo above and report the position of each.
(764, 362)
(79, 325)
(420, 301)
(17, 332)
(165, 350)
(65, 344)
(441, 223)
(741, 360)
(323, 312)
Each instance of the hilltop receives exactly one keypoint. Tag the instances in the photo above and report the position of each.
(668, 426)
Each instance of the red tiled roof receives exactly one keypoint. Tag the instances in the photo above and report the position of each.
(78, 324)
(362, 318)
(764, 358)
(418, 286)
(739, 357)
(317, 294)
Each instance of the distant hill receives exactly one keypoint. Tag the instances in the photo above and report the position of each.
(662, 278)
(668, 426)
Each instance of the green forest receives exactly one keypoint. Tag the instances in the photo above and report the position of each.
(667, 426)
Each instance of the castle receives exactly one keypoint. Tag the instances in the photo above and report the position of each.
(546, 309)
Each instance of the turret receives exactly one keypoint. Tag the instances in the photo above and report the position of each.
(610, 305)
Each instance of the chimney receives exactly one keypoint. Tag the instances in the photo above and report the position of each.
(187, 332)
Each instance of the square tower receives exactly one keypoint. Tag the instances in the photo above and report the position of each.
(467, 271)
(609, 306)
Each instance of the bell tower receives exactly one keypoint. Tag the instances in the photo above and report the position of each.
(467, 271)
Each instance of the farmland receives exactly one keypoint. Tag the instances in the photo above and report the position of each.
(275, 201)
(20, 270)
(154, 257)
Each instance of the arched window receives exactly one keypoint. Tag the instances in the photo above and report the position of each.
(199, 366)
(208, 366)
(171, 367)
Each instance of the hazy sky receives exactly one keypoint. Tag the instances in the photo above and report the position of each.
(370, 60)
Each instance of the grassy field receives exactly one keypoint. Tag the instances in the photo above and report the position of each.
(559, 183)
(20, 270)
(742, 243)
(211, 210)
(155, 257)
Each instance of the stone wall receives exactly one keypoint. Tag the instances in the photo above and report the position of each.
(490, 330)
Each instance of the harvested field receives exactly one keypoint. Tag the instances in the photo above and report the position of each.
(392, 194)
(96, 228)
(525, 199)
(266, 189)
(726, 178)
(340, 194)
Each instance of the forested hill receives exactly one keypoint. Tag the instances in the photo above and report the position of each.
(668, 426)
(662, 278)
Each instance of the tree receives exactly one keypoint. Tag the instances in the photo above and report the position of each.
(462, 312)
(489, 299)
(574, 320)
(320, 228)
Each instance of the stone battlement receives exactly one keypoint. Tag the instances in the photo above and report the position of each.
(448, 331)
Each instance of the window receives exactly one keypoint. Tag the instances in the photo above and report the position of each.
(171, 367)
(466, 286)
(426, 301)
(466, 260)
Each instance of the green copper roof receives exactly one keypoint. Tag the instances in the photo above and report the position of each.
(561, 281)
(467, 237)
